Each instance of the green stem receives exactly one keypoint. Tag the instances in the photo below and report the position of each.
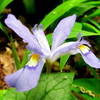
(48, 67)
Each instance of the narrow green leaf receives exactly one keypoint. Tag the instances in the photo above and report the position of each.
(25, 58)
(59, 11)
(80, 9)
(15, 55)
(49, 38)
(84, 33)
(4, 30)
(76, 30)
(96, 3)
(87, 33)
(95, 23)
(90, 28)
(3, 4)
(63, 60)
(74, 35)
(95, 13)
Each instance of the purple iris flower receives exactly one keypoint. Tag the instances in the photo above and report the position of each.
(27, 77)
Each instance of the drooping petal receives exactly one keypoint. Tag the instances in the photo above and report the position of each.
(25, 78)
(70, 48)
(22, 31)
(89, 57)
(62, 30)
(40, 36)
(11, 79)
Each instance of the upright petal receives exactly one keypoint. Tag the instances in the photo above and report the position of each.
(62, 30)
(25, 78)
(89, 57)
(40, 36)
(22, 31)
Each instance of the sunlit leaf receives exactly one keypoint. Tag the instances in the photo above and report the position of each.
(11, 94)
(63, 61)
(90, 28)
(25, 58)
(76, 30)
(52, 87)
(49, 38)
(59, 11)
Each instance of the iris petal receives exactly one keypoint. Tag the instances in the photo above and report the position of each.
(62, 30)
(11, 79)
(70, 47)
(40, 36)
(25, 78)
(23, 32)
(91, 59)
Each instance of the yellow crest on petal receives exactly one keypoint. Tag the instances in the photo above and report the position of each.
(34, 59)
(84, 48)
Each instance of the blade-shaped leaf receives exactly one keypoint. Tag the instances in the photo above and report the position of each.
(2, 27)
(95, 13)
(25, 58)
(76, 30)
(49, 38)
(15, 55)
(59, 11)
(90, 28)
(95, 23)
(63, 61)
(3, 4)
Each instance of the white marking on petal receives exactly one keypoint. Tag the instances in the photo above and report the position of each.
(33, 60)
